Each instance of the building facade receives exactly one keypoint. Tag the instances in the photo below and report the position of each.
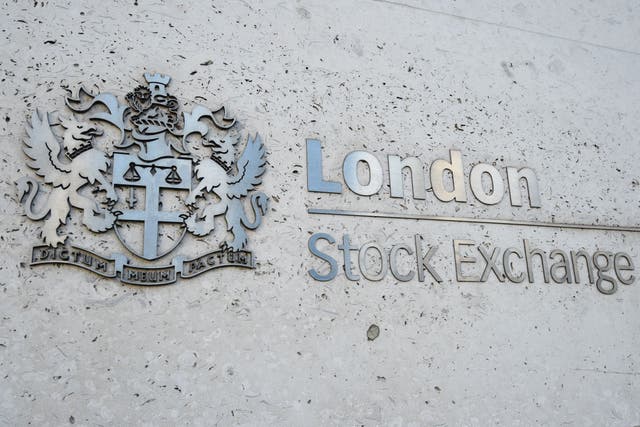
(308, 213)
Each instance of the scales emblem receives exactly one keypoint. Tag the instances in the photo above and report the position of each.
(147, 171)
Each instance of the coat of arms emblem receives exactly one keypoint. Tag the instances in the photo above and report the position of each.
(146, 171)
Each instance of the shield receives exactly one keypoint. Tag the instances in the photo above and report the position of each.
(152, 211)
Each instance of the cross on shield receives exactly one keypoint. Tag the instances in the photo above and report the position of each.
(151, 178)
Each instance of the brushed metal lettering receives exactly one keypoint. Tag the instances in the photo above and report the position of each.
(362, 260)
(346, 248)
(438, 168)
(333, 265)
(514, 176)
(620, 268)
(393, 263)
(508, 267)
(416, 171)
(350, 171)
(424, 261)
(587, 259)
(497, 184)
(562, 264)
(491, 264)
(604, 268)
(315, 179)
(529, 254)
(460, 259)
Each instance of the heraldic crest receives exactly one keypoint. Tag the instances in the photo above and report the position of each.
(147, 171)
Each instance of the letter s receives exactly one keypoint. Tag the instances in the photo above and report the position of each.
(333, 271)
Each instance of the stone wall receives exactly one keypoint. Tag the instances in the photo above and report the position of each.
(553, 87)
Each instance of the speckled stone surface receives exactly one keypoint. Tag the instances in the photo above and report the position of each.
(551, 86)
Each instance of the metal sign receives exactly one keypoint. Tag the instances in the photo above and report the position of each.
(514, 264)
(167, 173)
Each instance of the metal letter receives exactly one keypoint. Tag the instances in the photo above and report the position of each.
(350, 171)
(437, 183)
(602, 269)
(315, 181)
(362, 260)
(619, 268)
(347, 248)
(424, 261)
(459, 259)
(529, 254)
(566, 277)
(497, 185)
(574, 262)
(396, 166)
(506, 264)
(491, 264)
(333, 266)
(514, 176)
(393, 263)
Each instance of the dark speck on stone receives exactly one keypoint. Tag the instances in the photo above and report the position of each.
(72, 420)
(373, 332)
